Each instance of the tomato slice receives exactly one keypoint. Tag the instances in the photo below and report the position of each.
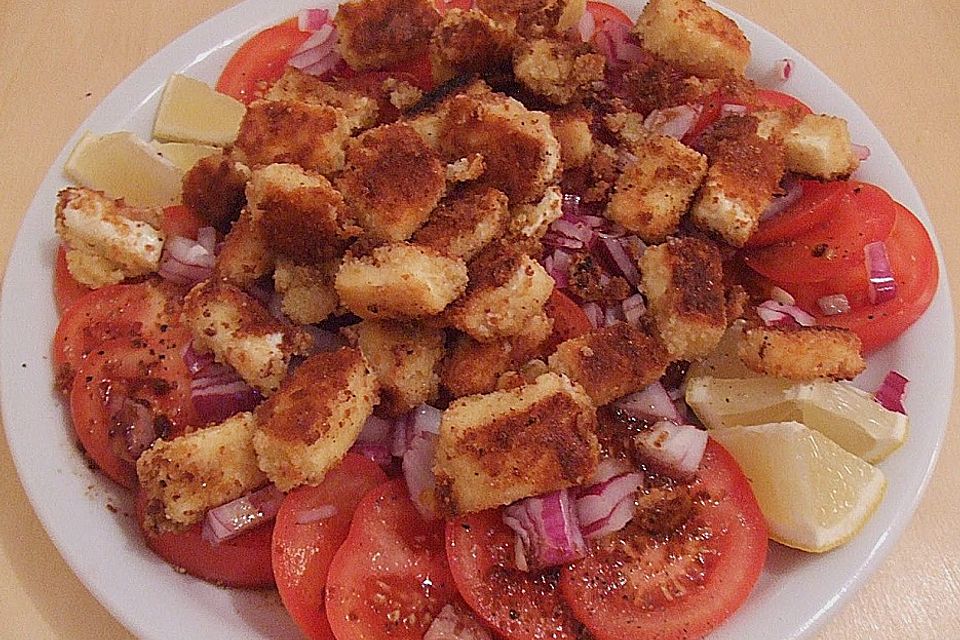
(712, 109)
(390, 577)
(603, 12)
(866, 214)
(817, 202)
(180, 220)
(770, 99)
(569, 320)
(243, 562)
(260, 60)
(518, 605)
(302, 549)
(66, 290)
(681, 584)
(442, 6)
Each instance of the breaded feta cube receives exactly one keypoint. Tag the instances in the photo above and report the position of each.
(466, 169)
(533, 220)
(468, 42)
(392, 181)
(613, 361)
(400, 281)
(404, 357)
(215, 189)
(534, 17)
(803, 353)
(298, 212)
(557, 69)
(241, 332)
(694, 36)
(307, 294)
(683, 281)
(655, 190)
(465, 223)
(380, 33)
(245, 255)
(507, 289)
(820, 146)
(279, 131)
(498, 448)
(306, 428)
(744, 174)
(105, 242)
(185, 477)
(360, 110)
(571, 127)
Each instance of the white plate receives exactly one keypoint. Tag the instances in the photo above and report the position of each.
(796, 592)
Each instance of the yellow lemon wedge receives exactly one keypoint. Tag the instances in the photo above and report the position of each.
(191, 111)
(814, 495)
(734, 402)
(185, 154)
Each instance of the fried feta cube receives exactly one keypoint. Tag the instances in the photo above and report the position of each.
(289, 131)
(241, 332)
(683, 281)
(307, 294)
(400, 281)
(468, 42)
(295, 85)
(245, 255)
(106, 240)
(392, 181)
(380, 33)
(533, 220)
(498, 448)
(820, 146)
(306, 428)
(694, 36)
(466, 169)
(613, 361)
(404, 357)
(185, 477)
(215, 189)
(534, 17)
(655, 190)
(803, 353)
(465, 223)
(571, 127)
(558, 70)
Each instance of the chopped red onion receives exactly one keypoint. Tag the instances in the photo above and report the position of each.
(376, 451)
(422, 429)
(651, 403)
(230, 520)
(793, 192)
(608, 506)
(784, 68)
(456, 623)
(323, 512)
(576, 231)
(675, 122)
(207, 237)
(892, 391)
(782, 296)
(312, 19)
(570, 205)
(594, 314)
(883, 286)
(777, 314)
(617, 252)
(732, 109)
(608, 468)
(319, 54)
(587, 26)
(376, 431)
(324, 340)
(185, 261)
(216, 389)
(547, 529)
(633, 308)
(862, 152)
(558, 266)
(676, 449)
(834, 305)
(612, 315)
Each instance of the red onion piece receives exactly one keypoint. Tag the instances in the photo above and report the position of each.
(185, 261)
(594, 314)
(883, 286)
(374, 451)
(322, 512)
(784, 68)
(230, 520)
(217, 390)
(324, 340)
(207, 238)
(777, 314)
(619, 255)
(793, 191)
(422, 429)
(861, 151)
(834, 305)
(612, 315)
(576, 231)
(587, 26)
(633, 308)
(454, 623)
(732, 109)
(608, 468)
(676, 449)
(652, 403)
(892, 391)
(547, 529)
(318, 54)
(570, 205)
(312, 19)
(675, 122)
(376, 431)
(558, 266)
(608, 506)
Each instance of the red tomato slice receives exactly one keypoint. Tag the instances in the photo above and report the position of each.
(518, 605)
(765, 99)
(569, 320)
(302, 551)
(180, 220)
(603, 12)
(243, 562)
(260, 60)
(814, 207)
(678, 585)
(864, 215)
(390, 577)
(443, 6)
(770, 99)
(66, 290)
(913, 261)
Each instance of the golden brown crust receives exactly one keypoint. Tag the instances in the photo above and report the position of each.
(361, 111)
(557, 69)
(468, 42)
(214, 190)
(465, 223)
(533, 17)
(803, 353)
(244, 255)
(380, 33)
(571, 126)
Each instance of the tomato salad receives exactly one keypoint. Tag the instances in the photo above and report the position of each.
(673, 545)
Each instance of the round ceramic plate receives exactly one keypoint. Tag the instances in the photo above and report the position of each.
(795, 594)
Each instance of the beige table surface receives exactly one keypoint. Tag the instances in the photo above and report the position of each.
(898, 59)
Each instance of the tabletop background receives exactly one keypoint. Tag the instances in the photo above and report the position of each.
(896, 58)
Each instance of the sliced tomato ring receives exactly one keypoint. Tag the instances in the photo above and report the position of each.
(260, 60)
(180, 220)
(816, 204)
(771, 99)
(66, 290)
(569, 320)
(603, 12)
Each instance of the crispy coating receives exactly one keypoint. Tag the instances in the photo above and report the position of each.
(307, 427)
(245, 255)
(184, 477)
(571, 127)
(289, 131)
(468, 42)
(380, 33)
(557, 69)
(307, 294)
(803, 353)
(532, 220)
(683, 281)
(657, 84)
(360, 110)
(465, 223)
(653, 192)
(466, 169)
(500, 447)
(392, 181)
(215, 190)
(820, 146)
(693, 36)
(613, 361)
(400, 281)
(534, 17)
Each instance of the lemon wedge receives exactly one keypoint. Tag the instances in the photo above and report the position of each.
(191, 111)
(724, 362)
(733, 402)
(814, 495)
(123, 166)
(185, 154)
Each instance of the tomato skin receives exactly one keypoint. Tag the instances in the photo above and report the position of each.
(725, 545)
(390, 577)
(261, 59)
(180, 220)
(814, 207)
(771, 99)
(569, 320)
(603, 12)
(518, 605)
(712, 109)
(66, 290)
(243, 562)
(302, 552)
